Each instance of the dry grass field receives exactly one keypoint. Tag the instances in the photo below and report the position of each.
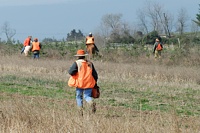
(137, 97)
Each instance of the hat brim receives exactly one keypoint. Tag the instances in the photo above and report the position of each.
(81, 55)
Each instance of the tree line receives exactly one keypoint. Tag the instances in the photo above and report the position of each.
(153, 21)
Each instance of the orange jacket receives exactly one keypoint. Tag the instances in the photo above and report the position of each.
(89, 40)
(27, 42)
(36, 46)
(83, 79)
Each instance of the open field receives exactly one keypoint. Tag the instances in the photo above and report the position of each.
(135, 97)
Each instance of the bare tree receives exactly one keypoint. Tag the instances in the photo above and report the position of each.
(182, 20)
(143, 23)
(168, 23)
(160, 20)
(8, 32)
(125, 28)
(110, 26)
(152, 10)
(194, 28)
(104, 30)
(158, 10)
(112, 22)
(114, 29)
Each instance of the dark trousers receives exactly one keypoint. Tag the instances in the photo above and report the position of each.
(22, 50)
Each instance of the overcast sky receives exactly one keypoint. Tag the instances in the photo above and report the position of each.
(56, 18)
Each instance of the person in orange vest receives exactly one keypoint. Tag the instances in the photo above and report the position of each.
(86, 79)
(27, 42)
(157, 48)
(36, 46)
(90, 41)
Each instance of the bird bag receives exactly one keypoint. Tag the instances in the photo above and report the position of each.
(95, 92)
(159, 47)
(72, 82)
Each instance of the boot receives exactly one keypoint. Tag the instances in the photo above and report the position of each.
(80, 111)
(92, 107)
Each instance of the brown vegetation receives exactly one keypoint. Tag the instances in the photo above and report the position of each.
(22, 113)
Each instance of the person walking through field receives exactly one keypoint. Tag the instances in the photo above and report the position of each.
(85, 75)
(26, 45)
(158, 47)
(90, 45)
(36, 46)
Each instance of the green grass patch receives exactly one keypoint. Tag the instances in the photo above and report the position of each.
(184, 101)
(34, 87)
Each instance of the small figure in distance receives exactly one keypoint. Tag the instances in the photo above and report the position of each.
(90, 45)
(27, 45)
(36, 46)
(158, 47)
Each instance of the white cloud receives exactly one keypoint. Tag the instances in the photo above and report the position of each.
(30, 2)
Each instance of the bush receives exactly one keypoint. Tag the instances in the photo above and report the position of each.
(150, 38)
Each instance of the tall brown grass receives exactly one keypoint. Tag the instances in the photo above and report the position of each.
(20, 113)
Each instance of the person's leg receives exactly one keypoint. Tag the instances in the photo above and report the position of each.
(37, 56)
(156, 54)
(86, 45)
(88, 95)
(159, 54)
(34, 55)
(79, 101)
(22, 50)
(26, 53)
(89, 99)
(79, 97)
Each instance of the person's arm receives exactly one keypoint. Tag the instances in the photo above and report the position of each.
(73, 69)
(94, 73)
(25, 43)
(161, 45)
(29, 41)
(154, 47)
(40, 45)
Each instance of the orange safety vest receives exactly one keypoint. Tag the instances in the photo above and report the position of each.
(159, 47)
(83, 79)
(27, 42)
(36, 46)
(89, 40)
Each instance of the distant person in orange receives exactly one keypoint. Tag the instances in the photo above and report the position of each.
(157, 48)
(26, 45)
(90, 43)
(36, 46)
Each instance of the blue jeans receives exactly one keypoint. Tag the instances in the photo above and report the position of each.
(80, 93)
(36, 54)
(22, 50)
